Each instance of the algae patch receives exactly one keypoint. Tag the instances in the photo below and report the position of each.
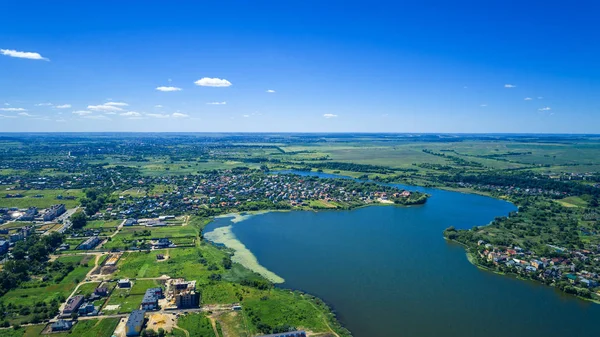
(242, 255)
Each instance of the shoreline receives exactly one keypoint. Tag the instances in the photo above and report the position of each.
(241, 254)
(472, 261)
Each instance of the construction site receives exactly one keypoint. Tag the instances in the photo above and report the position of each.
(180, 294)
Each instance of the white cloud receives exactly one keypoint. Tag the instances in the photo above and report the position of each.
(167, 89)
(110, 113)
(64, 106)
(212, 82)
(44, 104)
(158, 115)
(483, 105)
(24, 114)
(5, 116)
(22, 54)
(62, 120)
(179, 115)
(97, 117)
(131, 114)
(510, 86)
(545, 109)
(82, 112)
(245, 116)
(106, 107)
(7, 104)
(271, 91)
(158, 106)
(329, 115)
(528, 98)
(216, 103)
(12, 109)
(116, 104)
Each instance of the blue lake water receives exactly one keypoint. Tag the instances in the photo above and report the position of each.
(387, 271)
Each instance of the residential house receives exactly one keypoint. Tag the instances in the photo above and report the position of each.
(73, 304)
(90, 243)
(572, 278)
(87, 309)
(3, 246)
(101, 291)
(124, 283)
(61, 325)
(129, 222)
(161, 243)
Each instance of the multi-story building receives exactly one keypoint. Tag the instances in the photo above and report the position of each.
(135, 323)
(29, 214)
(150, 300)
(54, 211)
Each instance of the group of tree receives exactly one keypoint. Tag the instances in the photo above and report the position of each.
(366, 168)
(78, 220)
(523, 180)
(95, 199)
(28, 256)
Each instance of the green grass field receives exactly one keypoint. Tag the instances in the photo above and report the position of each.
(29, 296)
(87, 289)
(182, 262)
(233, 324)
(125, 300)
(572, 202)
(92, 328)
(197, 324)
(28, 331)
(48, 198)
(103, 223)
(183, 235)
(140, 286)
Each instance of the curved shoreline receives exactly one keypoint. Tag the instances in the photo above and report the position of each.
(241, 254)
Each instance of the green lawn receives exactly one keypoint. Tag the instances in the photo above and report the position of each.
(140, 286)
(48, 198)
(125, 299)
(197, 324)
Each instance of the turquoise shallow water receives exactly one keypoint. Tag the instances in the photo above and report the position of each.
(387, 271)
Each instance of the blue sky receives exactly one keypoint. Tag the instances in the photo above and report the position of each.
(332, 66)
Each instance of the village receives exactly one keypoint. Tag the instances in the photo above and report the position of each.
(564, 265)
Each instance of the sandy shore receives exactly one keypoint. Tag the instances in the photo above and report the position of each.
(242, 255)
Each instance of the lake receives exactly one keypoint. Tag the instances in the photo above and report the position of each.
(387, 271)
